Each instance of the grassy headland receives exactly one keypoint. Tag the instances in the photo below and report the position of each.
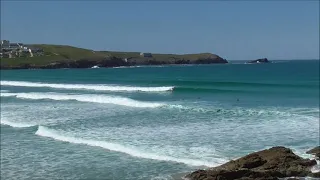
(62, 56)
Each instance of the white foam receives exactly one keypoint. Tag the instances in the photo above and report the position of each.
(7, 94)
(85, 98)
(96, 87)
(257, 112)
(46, 132)
(302, 153)
(3, 90)
(16, 124)
(316, 168)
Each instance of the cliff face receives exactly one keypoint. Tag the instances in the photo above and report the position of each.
(113, 61)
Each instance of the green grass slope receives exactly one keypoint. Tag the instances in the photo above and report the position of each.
(58, 53)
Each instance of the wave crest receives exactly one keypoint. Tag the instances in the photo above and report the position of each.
(15, 124)
(85, 98)
(46, 132)
(96, 87)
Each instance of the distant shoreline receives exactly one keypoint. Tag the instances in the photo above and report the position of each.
(58, 57)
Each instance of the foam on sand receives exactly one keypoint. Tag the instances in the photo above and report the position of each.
(96, 87)
(94, 98)
(46, 132)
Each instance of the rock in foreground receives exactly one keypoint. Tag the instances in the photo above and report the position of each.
(270, 164)
(315, 151)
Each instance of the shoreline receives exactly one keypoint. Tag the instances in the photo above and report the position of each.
(118, 63)
(60, 56)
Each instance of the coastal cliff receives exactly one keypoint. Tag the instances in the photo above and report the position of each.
(56, 56)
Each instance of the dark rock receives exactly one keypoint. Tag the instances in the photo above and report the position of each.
(315, 175)
(315, 151)
(270, 164)
(113, 61)
(210, 60)
(264, 60)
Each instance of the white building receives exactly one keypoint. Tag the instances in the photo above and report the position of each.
(5, 44)
(145, 54)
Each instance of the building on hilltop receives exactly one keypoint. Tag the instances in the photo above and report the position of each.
(5, 44)
(10, 50)
(146, 54)
(14, 46)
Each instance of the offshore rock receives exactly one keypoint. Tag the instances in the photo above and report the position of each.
(264, 60)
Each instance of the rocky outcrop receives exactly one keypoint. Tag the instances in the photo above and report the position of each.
(264, 60)
(315, 151)
(113, 61)
(212, 58)
(208, 59)
(80, 63)
(270, 164)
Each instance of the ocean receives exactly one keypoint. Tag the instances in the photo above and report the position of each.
(152, 122)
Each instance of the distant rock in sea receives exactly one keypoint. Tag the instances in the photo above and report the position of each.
(264, 60)
(269, 164)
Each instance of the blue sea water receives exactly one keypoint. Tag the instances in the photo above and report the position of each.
(152, 122)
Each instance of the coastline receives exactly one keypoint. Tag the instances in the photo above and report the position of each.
(58, 57)
(113, 62)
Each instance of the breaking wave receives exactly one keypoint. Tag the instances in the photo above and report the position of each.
(96, 87)
(85, 98)
(46, 132)
(15, 124)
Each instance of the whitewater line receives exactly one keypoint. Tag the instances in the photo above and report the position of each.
(96, 87)
(46, 132)
(15, 124)
(85, 98)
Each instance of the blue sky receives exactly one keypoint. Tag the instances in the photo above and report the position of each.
(235, 30)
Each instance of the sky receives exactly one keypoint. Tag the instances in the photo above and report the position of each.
(235, 30)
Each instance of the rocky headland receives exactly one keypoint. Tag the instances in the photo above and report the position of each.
(57, 56)
(112, 62)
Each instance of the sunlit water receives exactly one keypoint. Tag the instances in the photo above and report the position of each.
(152, 122)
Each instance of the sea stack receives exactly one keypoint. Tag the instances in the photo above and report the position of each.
(263, 60)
